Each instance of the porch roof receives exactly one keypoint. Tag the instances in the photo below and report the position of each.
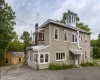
(76, 51)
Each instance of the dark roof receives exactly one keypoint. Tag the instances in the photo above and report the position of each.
(63, 25)
(18, 54)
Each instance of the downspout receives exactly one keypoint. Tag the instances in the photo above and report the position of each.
(78, 43)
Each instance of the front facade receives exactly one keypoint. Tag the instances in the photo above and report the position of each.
(59, 43)
(14, 58)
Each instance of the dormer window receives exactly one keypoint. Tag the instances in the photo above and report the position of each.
(56, 34)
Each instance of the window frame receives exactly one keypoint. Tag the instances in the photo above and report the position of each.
(44, 62)
(75, 36)
(60, 56)
(57, 34)
(66, 35)
(34, 57)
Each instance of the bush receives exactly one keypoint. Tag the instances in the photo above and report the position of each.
(53, 66)
(87, 64)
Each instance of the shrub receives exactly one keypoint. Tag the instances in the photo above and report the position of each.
(87, 64)
(54, 66)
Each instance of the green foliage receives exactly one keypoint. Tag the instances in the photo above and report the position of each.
(7, 22)
(87, 64)
(54, 66)
(78, 24)
(16, 46)
(96, 47)
(26, 39)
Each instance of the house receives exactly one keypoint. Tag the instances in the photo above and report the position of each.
(59, 43)
(14, 57)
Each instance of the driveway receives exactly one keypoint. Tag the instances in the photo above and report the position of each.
(28, 73)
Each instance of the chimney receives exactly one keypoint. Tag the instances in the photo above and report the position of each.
(71, 19)
(36, 34)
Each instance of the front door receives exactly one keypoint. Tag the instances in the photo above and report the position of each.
(76, 59)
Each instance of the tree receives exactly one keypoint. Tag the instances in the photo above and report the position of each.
(78, 24)
(7, 22)
(96, 47)
(26, 39)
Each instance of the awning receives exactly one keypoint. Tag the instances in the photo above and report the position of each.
(75, 51)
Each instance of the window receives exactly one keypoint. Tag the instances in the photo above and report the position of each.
(85, 38)
(65, 35)
(6, 60)
(41, 58)
(44, 58)
(19, 59)
(74, 37)
(60, 56)
(56, 34)
(80, 37)
(35, 57)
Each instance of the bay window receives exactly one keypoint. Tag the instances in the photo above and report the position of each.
(44, 57)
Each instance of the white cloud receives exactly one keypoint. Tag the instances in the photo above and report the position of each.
(26, 10)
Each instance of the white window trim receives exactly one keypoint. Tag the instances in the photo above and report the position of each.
(74, 37)
(60, 52)
(64, 36)
(44, 58)
(37, 58)
(57, 34)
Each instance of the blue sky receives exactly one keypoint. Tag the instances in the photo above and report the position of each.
(26, 10)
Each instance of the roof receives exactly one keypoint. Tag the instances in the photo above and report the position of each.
(18, 54)
(63, 25)
(76, 51)
(36, 48)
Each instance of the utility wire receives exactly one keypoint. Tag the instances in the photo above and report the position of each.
(25, 22)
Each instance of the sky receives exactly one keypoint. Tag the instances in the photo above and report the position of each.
(27, 10)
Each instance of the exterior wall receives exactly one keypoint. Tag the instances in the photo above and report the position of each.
(86, 47)
(63, 46)
(13, 59)
(31, 62)
(46, 35)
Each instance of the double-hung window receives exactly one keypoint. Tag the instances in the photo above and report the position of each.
(56, 33)
(35, 57)
(65, 35)
(60, 56)
(74, 37)
(44, 57)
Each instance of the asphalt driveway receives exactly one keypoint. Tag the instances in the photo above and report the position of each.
(28, 73)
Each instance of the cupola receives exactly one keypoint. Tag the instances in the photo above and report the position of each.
(71, 19)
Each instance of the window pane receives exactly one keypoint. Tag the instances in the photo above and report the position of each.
(41, 56)
(59, 56)
(73, 37)
(46, 57)
(56, 56)
(56, 33)
(41, 60)
(63, 56)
